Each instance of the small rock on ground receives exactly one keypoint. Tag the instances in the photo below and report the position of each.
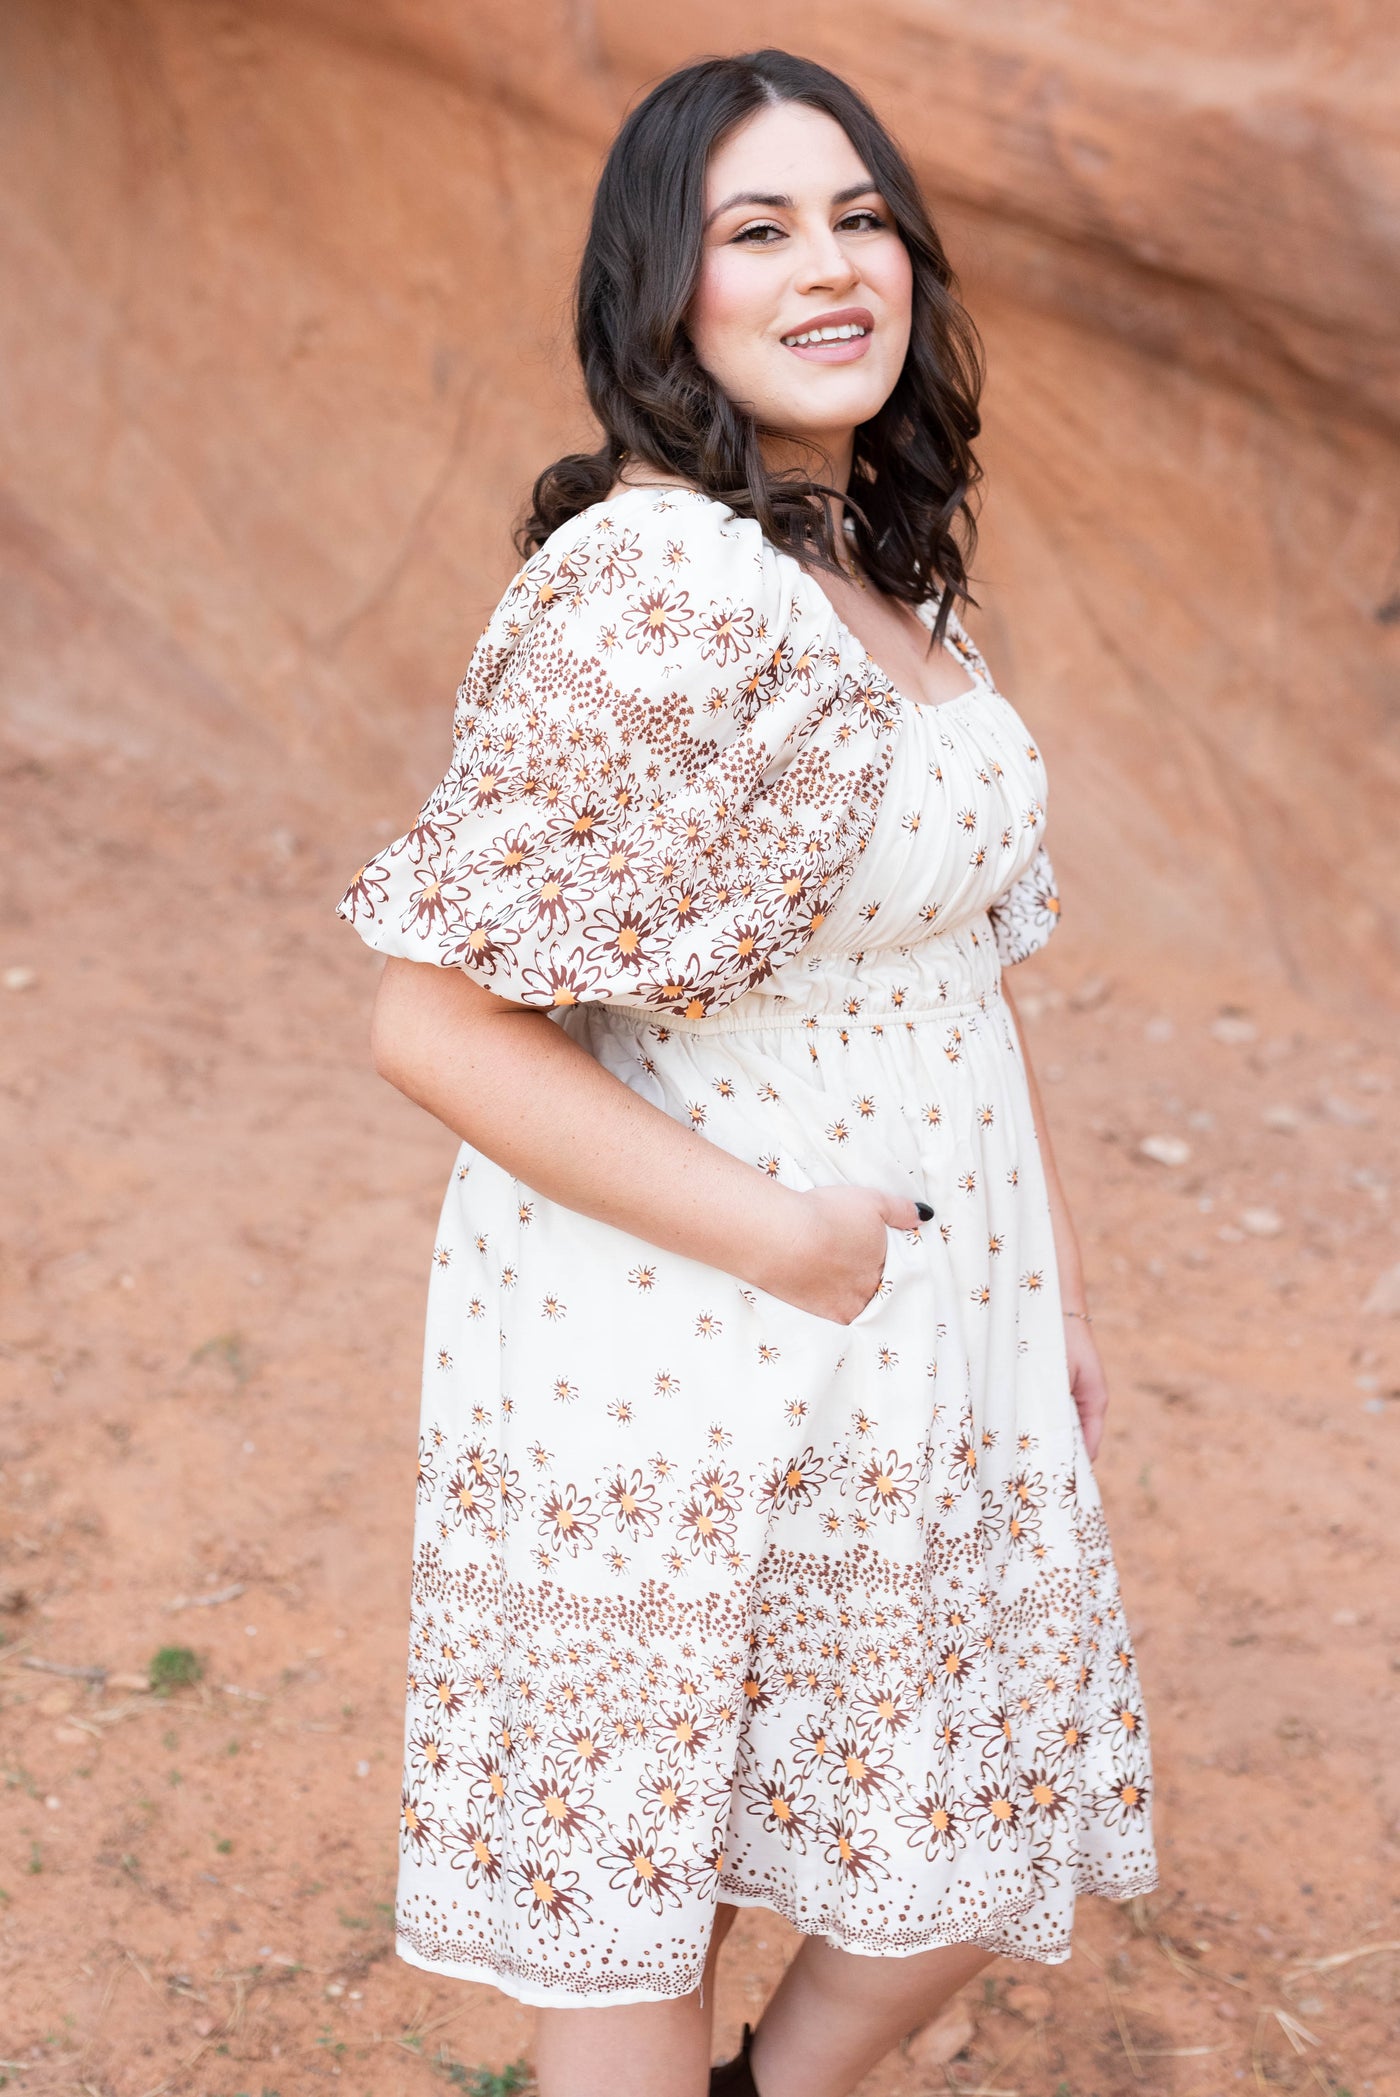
(944, 2039)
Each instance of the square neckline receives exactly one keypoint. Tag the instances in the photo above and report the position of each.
(975, 690)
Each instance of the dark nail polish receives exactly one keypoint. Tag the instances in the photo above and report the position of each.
(925, 1211)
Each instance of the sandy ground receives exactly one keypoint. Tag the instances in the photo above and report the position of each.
(218, 1226)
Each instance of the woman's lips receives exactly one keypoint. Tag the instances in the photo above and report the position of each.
(848, 352)
(849, 327)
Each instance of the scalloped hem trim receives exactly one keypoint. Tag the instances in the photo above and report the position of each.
(511, 1977)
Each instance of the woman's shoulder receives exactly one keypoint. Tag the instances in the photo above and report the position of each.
(649, 571)
(656, 526)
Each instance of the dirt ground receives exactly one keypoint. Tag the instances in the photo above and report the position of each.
(218, 1226)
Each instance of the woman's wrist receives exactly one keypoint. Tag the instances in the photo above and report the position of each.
(1074, 1296)
(762, 1253)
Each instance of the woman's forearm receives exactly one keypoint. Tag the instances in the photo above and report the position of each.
(1067, 1253)
(512, 1084)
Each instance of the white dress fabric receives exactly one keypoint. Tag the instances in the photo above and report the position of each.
(714, 1599)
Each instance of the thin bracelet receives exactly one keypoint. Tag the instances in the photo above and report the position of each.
(1076, 1314)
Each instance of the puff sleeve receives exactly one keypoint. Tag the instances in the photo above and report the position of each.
(1024, 918)
(663, 772)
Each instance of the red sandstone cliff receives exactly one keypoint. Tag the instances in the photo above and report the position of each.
(284, 330)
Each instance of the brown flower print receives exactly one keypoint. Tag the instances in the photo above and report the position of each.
(713, 1598)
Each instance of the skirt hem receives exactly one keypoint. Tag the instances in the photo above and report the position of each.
(991, 1935)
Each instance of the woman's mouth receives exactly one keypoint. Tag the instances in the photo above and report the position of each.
(832, 338)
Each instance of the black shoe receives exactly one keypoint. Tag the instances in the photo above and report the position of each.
(735, 2078)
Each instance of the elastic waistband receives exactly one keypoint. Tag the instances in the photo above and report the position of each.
(925, 984)
(756, 1013)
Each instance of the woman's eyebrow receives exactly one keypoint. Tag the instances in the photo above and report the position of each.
(781, 203)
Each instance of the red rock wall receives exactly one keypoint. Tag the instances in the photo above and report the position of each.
(285, 337)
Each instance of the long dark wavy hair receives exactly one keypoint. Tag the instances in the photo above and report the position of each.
(914, 470)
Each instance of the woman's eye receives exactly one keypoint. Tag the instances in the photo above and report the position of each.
(864, 221)
(756, 236)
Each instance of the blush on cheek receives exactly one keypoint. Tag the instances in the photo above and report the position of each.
(891, 274)
(726, 319)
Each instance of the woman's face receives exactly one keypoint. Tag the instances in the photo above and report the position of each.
(797, 238)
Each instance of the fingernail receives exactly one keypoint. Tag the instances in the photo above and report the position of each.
(925, 1211)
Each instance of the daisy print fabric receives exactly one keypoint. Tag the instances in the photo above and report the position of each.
(714, 1599)
(663, 768)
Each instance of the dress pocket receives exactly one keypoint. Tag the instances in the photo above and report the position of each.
(904, 1251)
(901, 1249)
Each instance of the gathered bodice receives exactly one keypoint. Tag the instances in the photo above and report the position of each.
(680, 785)
(960, 823)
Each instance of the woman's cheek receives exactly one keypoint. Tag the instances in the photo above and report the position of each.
(893, 279)
(727, 320)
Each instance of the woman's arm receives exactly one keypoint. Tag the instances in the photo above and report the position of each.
(1086, 1375)
(508, 1081)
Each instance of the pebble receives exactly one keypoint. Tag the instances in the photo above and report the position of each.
(944, 2039)
(1384, 1299)
(1091, 992)
(1159, 1029)
(1342, 1110)
(1029, 2000)
(1165, 1150)
(1261, 1223)
(1287, 1120)
(1234, 1028)
(20, 978)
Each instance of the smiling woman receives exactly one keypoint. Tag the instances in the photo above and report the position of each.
(759, 1557)
(739, 203)
(773, 265)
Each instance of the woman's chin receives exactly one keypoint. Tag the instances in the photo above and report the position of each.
(811, 414)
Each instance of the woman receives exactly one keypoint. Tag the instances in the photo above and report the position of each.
(759, 1559)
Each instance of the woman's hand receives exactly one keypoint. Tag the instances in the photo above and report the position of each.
(831, 1258)
(505, 1079)
(1086, 1381)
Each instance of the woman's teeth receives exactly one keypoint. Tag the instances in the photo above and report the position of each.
(844, 333)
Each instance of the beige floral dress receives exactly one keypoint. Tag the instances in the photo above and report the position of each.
(714, 1599)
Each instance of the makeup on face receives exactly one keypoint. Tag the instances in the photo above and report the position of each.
(802, 308)
(842, 337)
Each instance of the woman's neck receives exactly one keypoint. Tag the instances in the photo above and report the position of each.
(827, 459)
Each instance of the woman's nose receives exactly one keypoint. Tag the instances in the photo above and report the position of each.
(823, 263)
